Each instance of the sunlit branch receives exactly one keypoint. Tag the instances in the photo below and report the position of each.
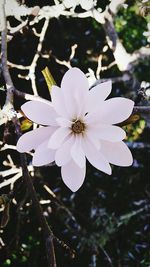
(48, 235)
(36, 57)
(13, 30)
(17, 66)
(65, 62)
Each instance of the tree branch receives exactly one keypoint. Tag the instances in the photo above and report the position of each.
(124, 60)
(141, 110)
(48, 235)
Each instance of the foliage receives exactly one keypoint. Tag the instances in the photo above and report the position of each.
(130, 28)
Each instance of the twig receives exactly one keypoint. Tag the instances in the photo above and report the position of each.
(11, 180)
(27, 96)
(59, 203)
(13, 30)
(17, 230)
(106, 255)
(65, 62)
(31, 68)
(18, 66)
(94, 260)
(141, 110)
(48, 234)
(37, 55)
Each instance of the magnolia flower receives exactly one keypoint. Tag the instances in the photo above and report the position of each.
(79, 124)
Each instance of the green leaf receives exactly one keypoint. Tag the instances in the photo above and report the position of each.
(26, 125)
(48, 78)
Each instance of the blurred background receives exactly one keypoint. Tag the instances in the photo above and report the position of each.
(107, 221)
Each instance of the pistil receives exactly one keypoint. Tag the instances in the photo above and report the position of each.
(78, 127)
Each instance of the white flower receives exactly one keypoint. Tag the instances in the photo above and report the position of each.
(79, 124)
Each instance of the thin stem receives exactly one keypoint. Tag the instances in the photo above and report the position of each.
(106, 255)
(48, 234)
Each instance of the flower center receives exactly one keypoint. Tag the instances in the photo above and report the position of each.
(78, 127)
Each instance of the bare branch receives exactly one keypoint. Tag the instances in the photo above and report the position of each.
(141, 110)
(115, 4)
(32, 68)
(48, 235)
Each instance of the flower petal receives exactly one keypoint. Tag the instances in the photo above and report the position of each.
(93, 138)
(117, 109)
(63, 155)
(40, 112)
(96, 158)
(32, 139)
(64, 122)
(117, 153)
(74, 81)
(58, 101)
(77, 152)
(107, 132)
(113, 110)
(72, 175)
(58, 137)
(98, 94)
(75, 89)
(43, 155)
